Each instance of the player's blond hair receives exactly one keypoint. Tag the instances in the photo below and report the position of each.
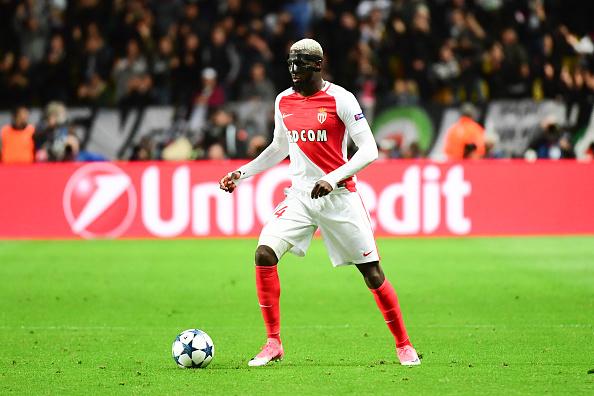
(308, 46)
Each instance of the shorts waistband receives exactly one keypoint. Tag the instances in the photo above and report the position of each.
(338, 190)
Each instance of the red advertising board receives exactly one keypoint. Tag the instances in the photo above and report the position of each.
(416, 198)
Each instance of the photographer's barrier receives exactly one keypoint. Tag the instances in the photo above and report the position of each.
(404, 198)
(511, 124)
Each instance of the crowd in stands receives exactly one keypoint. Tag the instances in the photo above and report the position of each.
(203, 55)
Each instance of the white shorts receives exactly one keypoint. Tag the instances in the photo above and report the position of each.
(342, 219)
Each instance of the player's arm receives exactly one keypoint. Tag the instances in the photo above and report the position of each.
(366, 154)
(272, 155)
(359, 130)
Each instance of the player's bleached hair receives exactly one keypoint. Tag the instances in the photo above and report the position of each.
(308, 46)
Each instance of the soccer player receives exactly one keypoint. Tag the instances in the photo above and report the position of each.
(312, 121)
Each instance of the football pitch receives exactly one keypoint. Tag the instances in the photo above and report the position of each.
(488, 315)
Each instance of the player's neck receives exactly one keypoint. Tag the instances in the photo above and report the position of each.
(311, 89)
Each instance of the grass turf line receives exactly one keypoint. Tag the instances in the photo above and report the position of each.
(490, 316)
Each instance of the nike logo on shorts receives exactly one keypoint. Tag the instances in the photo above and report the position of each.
(367, 254)
(285, 115)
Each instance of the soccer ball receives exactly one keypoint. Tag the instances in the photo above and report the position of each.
(193, 348)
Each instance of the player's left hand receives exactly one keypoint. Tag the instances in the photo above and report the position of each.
(321, 189)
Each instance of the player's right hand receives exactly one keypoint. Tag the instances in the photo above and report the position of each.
(227, 183)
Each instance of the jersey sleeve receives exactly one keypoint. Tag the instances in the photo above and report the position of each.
(350, 113)
(366, 154)
(352, 116)
(274, 153)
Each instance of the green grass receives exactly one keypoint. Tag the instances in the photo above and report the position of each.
(490, 316)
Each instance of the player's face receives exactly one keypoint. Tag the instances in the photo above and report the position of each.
(303, 69)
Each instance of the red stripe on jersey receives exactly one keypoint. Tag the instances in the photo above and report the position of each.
(317, 128)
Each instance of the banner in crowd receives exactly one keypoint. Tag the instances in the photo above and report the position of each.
(517, 122)
(404, 198)
(510, 124)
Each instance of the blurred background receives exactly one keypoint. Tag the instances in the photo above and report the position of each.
(120, 117)
(196, 79)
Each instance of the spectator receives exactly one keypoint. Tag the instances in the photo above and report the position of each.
(20, 86)
(466, 138)
(492, 151)
(169, 12)
(193, 20)
(17, 139)
(96, 66)
(492, 70)
(164, 66)
(259, 87)
(179, 149)
(6, 66)
(50, 139)
(589, 155)
(143, 150)
(216, 152)
(389, 147)
(551, 143)
(55, 81)
(144, 28)
(444, 75)
(223, 129)
(366, 87)
(73, 152)
(187, 75)
(373, 28)
(344, 53)
(32, 29)
(256, 49)
(515, 69)
(391, 52)
(413, 151)
(547, 67)
(210, 96)
(222, 56)
(421, 49)
(132, 78)
(403, 93)
(578, 88)
(256, 145)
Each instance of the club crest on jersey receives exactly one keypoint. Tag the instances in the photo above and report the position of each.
(322, 115)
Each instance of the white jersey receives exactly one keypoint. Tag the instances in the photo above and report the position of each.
(316, 129)
(313, 131)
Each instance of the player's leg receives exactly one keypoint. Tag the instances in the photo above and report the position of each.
(386, 299)
(348, 236)
(268, 290)
(387, 302)
(289, 228)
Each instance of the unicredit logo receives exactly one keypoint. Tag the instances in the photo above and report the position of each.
(99, 201)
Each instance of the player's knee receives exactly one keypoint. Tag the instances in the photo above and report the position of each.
(372, 273)
(265, 256)
(374, 280)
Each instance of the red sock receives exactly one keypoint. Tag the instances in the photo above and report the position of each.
(387, 302)
(268, 287)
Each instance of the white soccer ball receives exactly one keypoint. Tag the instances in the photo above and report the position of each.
(193, 348)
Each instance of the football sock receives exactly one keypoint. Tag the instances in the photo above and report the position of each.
(268, 287)
(387, 302)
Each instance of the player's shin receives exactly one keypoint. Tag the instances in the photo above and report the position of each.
(268, 288)
(387, 302)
